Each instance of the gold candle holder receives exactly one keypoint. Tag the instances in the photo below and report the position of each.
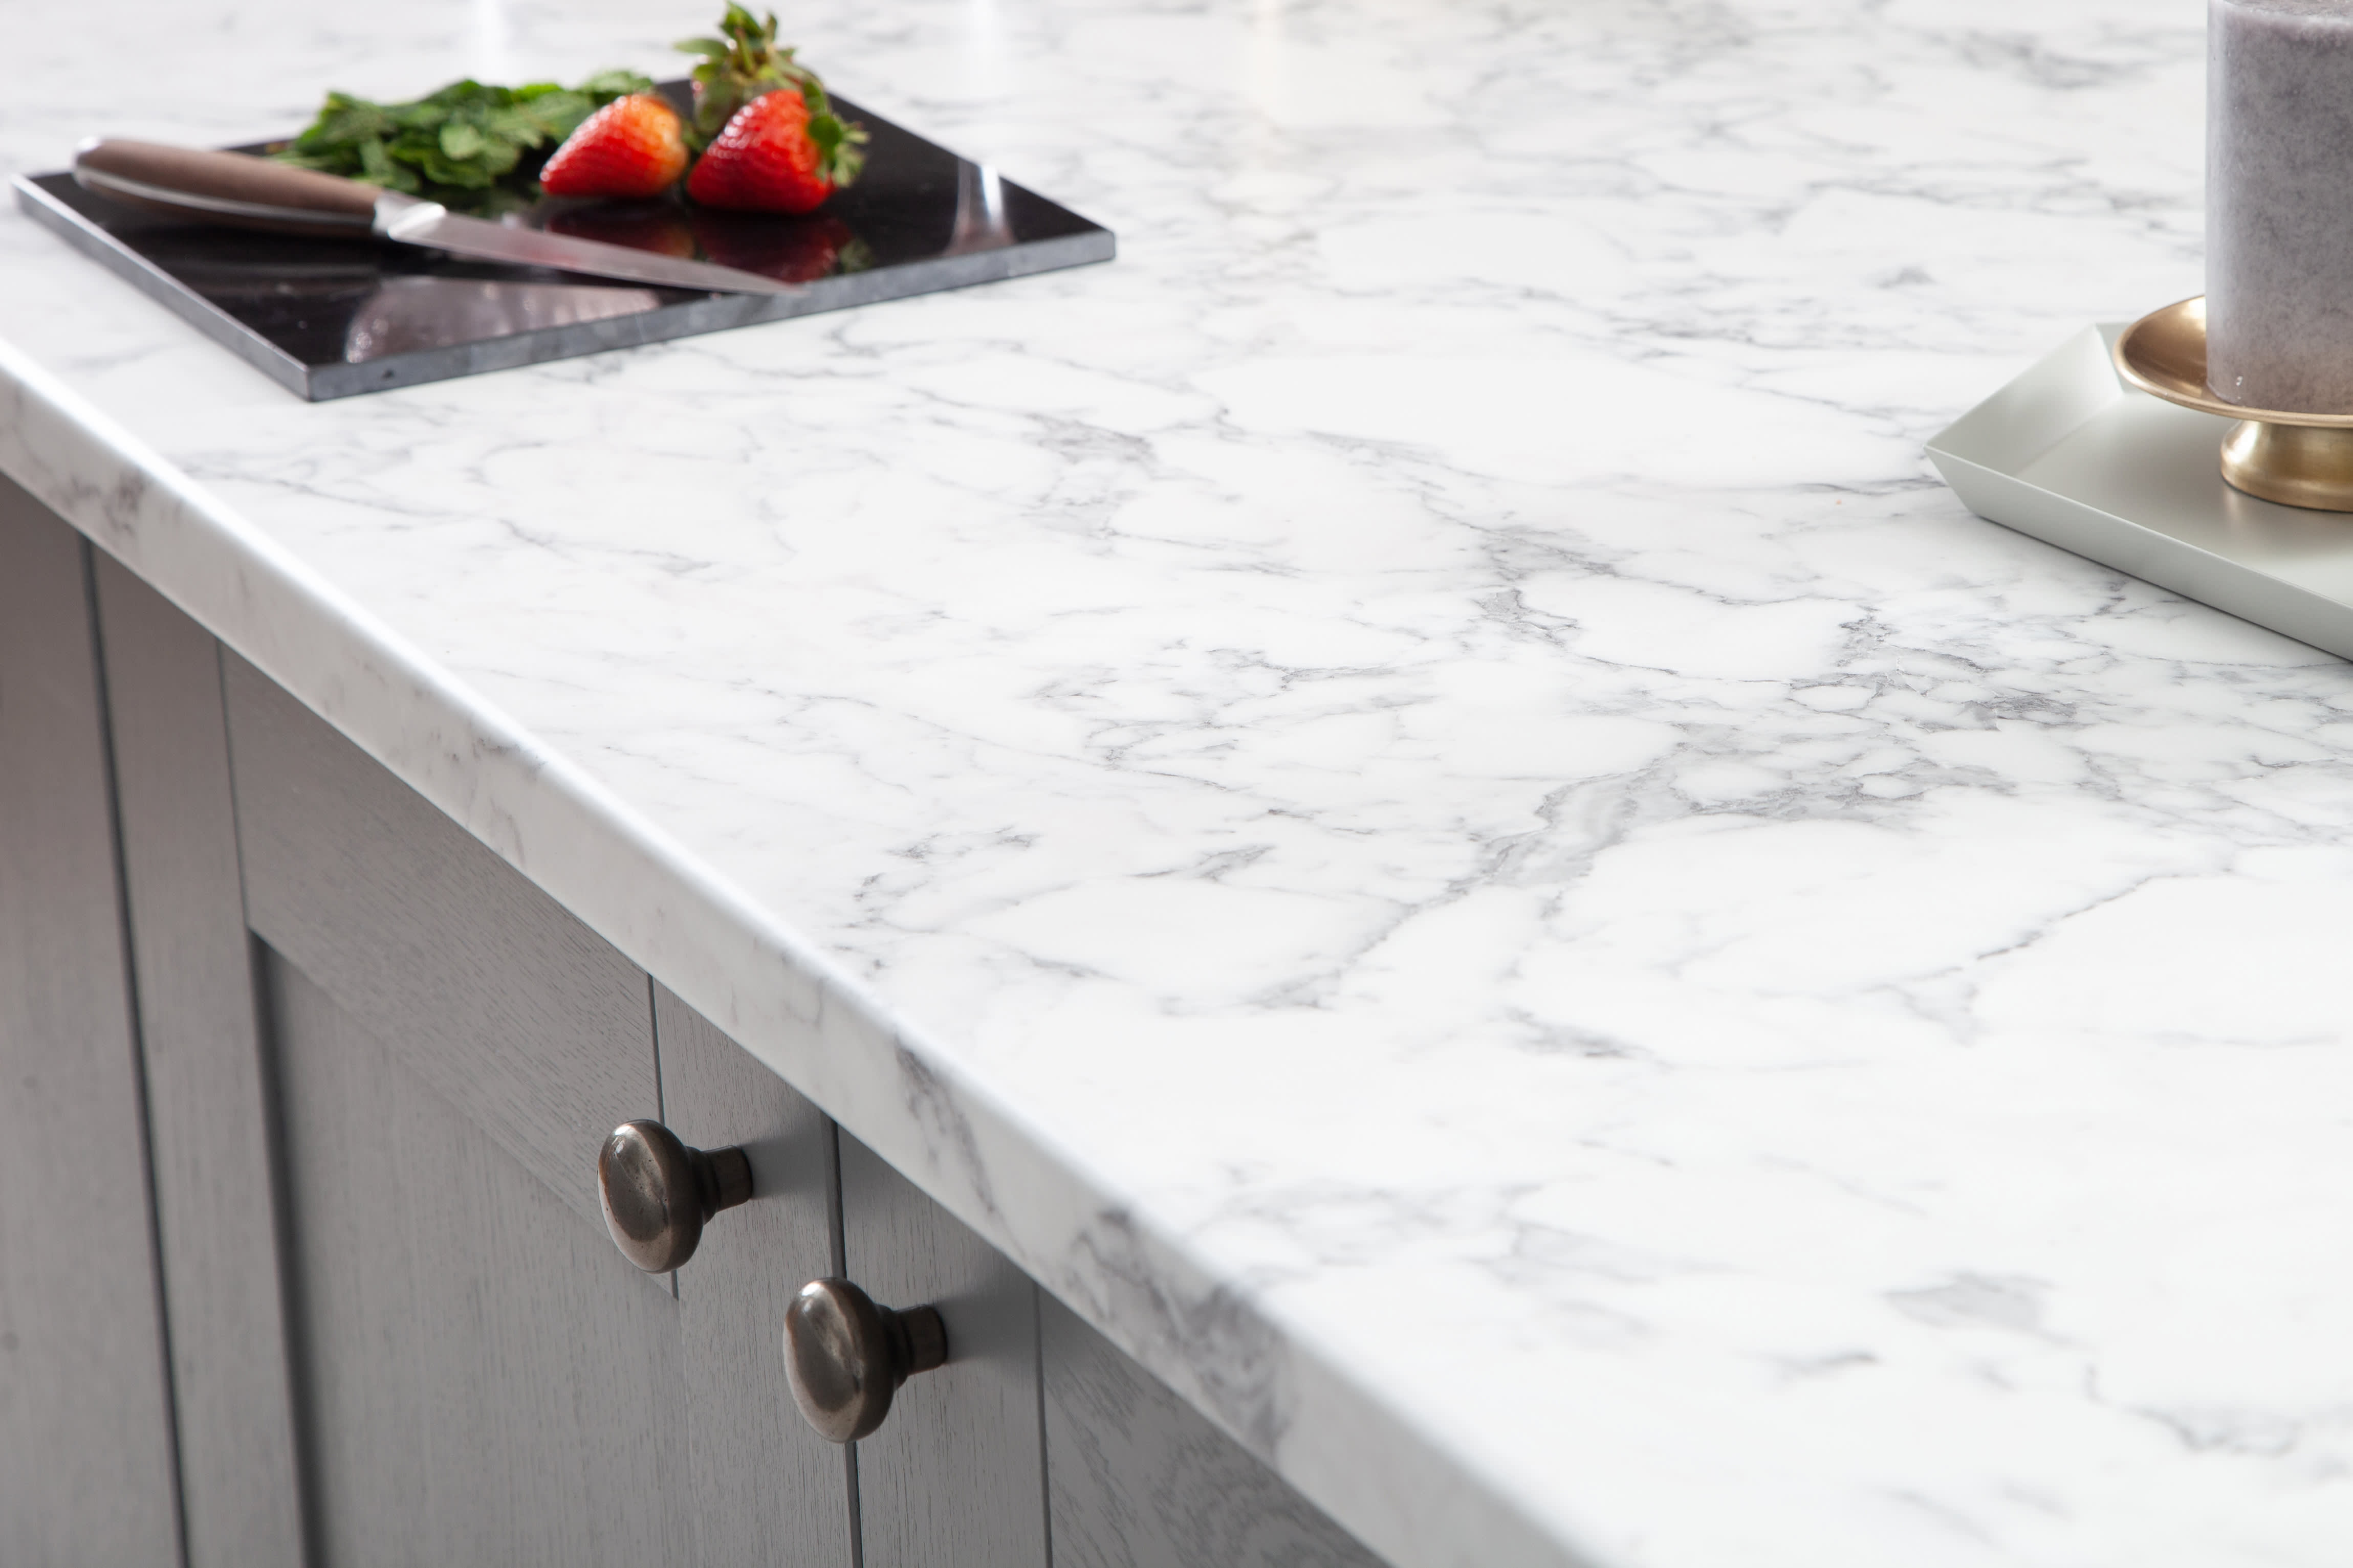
(2297, 459)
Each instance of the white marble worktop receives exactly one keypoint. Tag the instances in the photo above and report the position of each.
(1413, 795)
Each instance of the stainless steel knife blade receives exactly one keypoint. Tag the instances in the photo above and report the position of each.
(409, 221)
(256, 193)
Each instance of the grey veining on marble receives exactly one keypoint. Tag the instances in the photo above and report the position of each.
(1415, 796)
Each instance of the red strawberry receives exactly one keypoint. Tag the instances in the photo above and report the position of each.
(634, 146)
(779, 154)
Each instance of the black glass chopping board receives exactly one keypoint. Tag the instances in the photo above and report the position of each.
(328, 318)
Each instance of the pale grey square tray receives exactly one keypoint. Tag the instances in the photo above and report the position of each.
(2070, 454)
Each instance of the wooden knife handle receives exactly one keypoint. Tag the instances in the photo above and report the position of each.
(226, 187)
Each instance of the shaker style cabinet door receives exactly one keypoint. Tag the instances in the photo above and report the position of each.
(767, 1489)
(86, 1440)
(488, 1379)
(534, 1025)
(209, 1121)
(482, 1376)
(955, 1476)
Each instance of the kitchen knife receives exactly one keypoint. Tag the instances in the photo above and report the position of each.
(247, 192)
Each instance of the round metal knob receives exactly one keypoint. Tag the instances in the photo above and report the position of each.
(846, 1357)
(658, 1194)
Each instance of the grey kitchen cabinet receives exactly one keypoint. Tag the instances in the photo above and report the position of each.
(86, 1461)
(484, 1375)
(302, 1256)
(209, 1116)
(956, 1474)
(485, 1379)
(767, 1489)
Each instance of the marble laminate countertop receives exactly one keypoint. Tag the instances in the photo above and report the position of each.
(1412, 795)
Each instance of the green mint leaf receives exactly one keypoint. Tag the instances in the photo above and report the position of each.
(606, 85)
(377, 168)
(445, 171)
(464, 143)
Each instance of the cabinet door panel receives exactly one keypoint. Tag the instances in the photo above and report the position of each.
(955, 1477)
(767, 1489)
(485, 1379)
(217, 1207)
(85, 1460)
(537, 1028)
(1140, 1479)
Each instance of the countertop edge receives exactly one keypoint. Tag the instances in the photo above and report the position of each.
(1232, 1354)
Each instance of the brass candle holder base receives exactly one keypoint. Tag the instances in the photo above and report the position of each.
(2296, 459)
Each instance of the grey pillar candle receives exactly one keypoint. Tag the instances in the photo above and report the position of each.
(2279, 204)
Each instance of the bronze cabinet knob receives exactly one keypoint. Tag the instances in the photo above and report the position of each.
(658, 1194)
(846, 1357)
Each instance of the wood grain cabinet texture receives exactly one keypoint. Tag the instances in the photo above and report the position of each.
(86, 1431)
(301, 1261)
